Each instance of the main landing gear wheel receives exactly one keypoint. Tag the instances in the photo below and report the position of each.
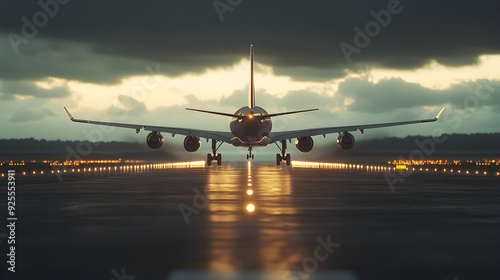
(211, 158)
(214, 156)
(284, 156)
(280, 158)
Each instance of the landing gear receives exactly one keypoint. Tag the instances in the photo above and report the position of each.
(250, 156)
(284, 156)
(214, 156)
(211, 158)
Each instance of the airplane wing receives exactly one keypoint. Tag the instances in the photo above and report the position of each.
(278, 136)
(208, 134)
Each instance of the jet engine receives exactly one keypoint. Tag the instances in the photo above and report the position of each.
(345, 141)
(154, 140)
(192, 143)
(304, 144)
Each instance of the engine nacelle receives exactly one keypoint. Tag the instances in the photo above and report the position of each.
(304, 144)
(345, 141)
(192, 143)
(154, 140)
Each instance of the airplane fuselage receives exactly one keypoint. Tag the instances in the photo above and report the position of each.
(252, 131)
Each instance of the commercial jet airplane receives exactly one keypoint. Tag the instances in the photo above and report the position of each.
(251, 127)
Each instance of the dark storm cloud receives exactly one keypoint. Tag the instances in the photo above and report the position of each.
(293, 36)
(43, 58)
(29, 88)
(31, 114)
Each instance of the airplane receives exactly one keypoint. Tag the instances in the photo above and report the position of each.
(250, 127)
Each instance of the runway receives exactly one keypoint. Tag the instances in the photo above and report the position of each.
(295, 223)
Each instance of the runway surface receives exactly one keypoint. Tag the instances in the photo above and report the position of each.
(297, 223)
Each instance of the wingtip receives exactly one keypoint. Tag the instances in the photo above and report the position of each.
(69, 114)
(439, 114)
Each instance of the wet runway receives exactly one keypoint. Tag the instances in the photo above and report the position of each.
(295, 223)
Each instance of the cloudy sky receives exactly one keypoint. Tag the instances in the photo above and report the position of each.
(145, 61)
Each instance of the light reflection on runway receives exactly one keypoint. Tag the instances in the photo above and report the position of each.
(250, 206)
(222, 191)
(258, 201)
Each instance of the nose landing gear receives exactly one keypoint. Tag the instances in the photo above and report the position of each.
(250, 156)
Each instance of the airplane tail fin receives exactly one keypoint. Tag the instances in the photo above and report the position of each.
(251, 100)
(251, 95)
